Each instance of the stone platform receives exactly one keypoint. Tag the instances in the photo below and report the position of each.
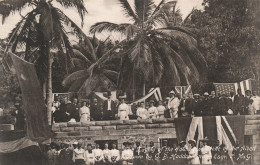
(139, 130)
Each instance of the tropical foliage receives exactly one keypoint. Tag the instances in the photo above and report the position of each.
(156, 53)
(89, 73)
(42, 33)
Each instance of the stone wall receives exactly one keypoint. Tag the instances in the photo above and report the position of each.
(138, 130)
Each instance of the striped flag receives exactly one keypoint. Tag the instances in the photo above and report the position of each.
(226, 88)
(184, 90)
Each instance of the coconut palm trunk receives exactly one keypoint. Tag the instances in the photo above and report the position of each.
(49, 84)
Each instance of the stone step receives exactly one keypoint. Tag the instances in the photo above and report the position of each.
(253, 122)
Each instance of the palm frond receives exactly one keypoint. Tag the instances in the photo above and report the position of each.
(74, 77)
(79, 54)
(143, 10)
(110, 27)
(9, 6)
(128, 10)
(78, 4)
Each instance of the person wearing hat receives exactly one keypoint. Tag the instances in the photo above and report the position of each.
(173, 105)
(123, 109)
(193, 153)
(114, 155)
(152, 111)
(206, 105)
(206, 155)
(109, 108)
(106, 153)
(182, 153)
(95, 110)
(66, 155)
(84, 112)
(139, 154)
(127, 155)
(141, 112)
(161, 109)
(164, 153)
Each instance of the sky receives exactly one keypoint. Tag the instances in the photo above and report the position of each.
(98, 10)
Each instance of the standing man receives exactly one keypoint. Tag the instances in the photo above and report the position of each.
(152, 154)
(247, 101)
(173, 105)
(182, 154)
(109, 108)
(139, 155)
(239, 101)
(206, 106)
(95, 111)
(214, 103)
(196, 105)
(89, 155)
(114, 156)
(98, 155)
(73, 110)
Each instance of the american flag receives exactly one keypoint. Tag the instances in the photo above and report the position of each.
(184, 90)
(226, 88)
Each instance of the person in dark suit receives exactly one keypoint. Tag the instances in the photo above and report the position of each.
(109, 108)
(72, 109)
(96, 111)
(185, 108)
(65, 156)
(247, 101)
(196, 105)
(239, 101)
(206, 105)
(152, 154)
(223, 105)
(231, 103)
(214, 103)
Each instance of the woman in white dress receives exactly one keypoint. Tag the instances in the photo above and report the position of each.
(141, 112)
(206, 155)
(123, 109)
(84, 112)
(161, 109)
(193, 153)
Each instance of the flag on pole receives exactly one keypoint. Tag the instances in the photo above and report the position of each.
(33, 102)
(226, 88)
(184, 90)
(156, 92)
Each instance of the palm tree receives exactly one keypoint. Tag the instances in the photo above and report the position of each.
(41, 32)
(154, 52)
(91, 75)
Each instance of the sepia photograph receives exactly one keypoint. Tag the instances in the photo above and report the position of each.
(129, 82)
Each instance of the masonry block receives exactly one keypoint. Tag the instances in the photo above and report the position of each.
(109, 127)
(81, 128)
(74, 124)
(171, 130)
(55, 129)
(75, 133)
(149, 126)
(139, 132)
(90, 123)
(124, 127)
(160, 120)
(145, 121)
(116, 122)
(88, 133)
(103, 123)
(253, 122)
(253, 127)
(61, 134)
(116, 132)
(95, 128)
(160, 131)
(170, 120)
(167, 125)
(67, 129)
(252, 117)
(102, 133)
(60, 124)
(138, 126)
(130, 121)
(250, 132)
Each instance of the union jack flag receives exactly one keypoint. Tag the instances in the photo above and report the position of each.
(184, 90)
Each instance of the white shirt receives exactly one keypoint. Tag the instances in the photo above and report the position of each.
(174, 103)
(78, 154)
(152, 111)
(106, 153)
(109, 104)
(256, 103)
(98, 153)
(142, 113)
(161, 109)
(127, 154)
(114, 155)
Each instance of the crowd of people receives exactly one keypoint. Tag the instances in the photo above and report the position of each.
(134, 154)
(172, 107)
